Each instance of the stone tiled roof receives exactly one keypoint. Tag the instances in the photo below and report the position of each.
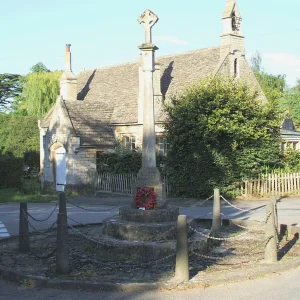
(109, 95)
(117, 87)
(90, 121)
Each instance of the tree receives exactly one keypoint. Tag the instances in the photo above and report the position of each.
(18, 134)
(290, 104)
(273, 86)
(9, 88)
(219, 133)
(40, 91)
(39, 68)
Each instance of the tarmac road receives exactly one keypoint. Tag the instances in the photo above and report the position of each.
(104, 207)
(279, 286)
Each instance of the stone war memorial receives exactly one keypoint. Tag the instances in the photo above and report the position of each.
(149, 217)
(145, 243)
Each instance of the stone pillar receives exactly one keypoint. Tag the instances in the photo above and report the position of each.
(271, 255)
(182, 254)
(149, 175)
(216, 222)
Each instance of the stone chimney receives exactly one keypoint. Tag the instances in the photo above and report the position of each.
(232, 41)
(68, 81)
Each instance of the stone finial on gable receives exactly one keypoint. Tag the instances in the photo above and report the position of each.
(68, 81)
(148, 20)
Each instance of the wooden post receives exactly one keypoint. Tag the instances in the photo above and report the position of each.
(24, 242)
(182, 254)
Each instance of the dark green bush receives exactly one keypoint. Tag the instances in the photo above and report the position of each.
(11, 172)
(218, 133)
(124, 162)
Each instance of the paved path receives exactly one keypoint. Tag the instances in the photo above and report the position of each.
(279, 286)
(103, 207)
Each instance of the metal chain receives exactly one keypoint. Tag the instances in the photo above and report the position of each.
(241, 209)
(87, 237)
(204, 215)
(219, 239)
(76, 221)
(34, 228)
(37, 220)
(202, 202)
(238, 225)
(214, 258)
(94, 210)
(35, 254)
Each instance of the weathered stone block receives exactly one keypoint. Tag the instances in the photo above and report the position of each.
(168, 214)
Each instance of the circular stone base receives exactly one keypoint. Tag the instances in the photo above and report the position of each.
(167, 214)
(133, 231)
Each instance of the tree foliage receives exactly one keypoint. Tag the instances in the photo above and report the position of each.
(291, 103)
(18, 134)
(219, 133)
(273, 86)
(9, 88)
(40, 91)
(39, 68)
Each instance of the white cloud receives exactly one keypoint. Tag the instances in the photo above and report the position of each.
(286, 59)
(170, 39)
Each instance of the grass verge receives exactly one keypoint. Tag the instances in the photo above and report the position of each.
(14, 195)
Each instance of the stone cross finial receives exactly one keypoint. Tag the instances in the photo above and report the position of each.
(148, 19)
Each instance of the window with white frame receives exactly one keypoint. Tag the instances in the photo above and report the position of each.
(129, 142)
(162, 145)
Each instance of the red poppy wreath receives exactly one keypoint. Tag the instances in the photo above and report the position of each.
(145, 197)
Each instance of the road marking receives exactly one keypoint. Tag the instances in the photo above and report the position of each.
(3, 231)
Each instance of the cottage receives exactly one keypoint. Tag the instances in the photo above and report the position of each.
(100, 107)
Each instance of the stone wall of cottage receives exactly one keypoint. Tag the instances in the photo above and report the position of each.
(79, 161)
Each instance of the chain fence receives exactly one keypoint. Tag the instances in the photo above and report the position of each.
(219, 238)
(39, 232)
(241, 209)
(47, 218)
(96, 210)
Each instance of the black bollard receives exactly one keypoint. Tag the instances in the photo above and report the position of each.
(62, 203)
(182, 255)
(216, 222)
(62, 252)
(24, 242)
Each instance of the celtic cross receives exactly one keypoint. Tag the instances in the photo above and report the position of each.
(148, 19)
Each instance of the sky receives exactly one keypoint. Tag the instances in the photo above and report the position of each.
(106, 32)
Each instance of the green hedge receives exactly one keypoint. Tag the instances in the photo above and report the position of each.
(11, 171)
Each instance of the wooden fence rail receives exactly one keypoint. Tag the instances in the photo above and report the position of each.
(272, 184)
(116, 183)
